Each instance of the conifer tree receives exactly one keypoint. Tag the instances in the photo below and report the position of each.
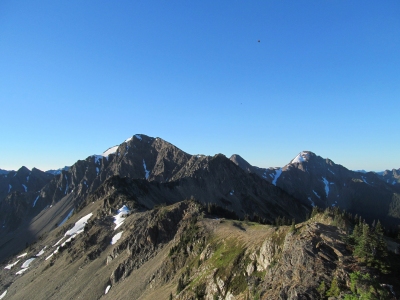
(334, 290)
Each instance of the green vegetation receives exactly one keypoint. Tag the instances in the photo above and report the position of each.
(362, 286)
(334, 290)
(189, 235)
(322, 289)
(370, 246)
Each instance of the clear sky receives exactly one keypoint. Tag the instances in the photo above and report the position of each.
(77, 77)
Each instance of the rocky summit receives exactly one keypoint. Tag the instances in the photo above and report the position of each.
(146, 220)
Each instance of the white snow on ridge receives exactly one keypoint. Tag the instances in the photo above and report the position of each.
(278, 173)
(34, 202)
(110, 151)
(301, 157)
(120, 217)
(79, 226)
(22, 255)
(9, 267)
(3, 295)
(326, 182)
(116, 238)
(145, 170)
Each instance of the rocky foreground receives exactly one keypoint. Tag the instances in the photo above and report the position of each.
(112, 250)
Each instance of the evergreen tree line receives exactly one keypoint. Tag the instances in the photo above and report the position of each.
(369, 244)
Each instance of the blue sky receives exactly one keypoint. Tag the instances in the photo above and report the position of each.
(77, 77)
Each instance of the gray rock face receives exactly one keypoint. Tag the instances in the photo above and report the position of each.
(306, 259)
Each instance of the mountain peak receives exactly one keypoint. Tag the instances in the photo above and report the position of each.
(302, 157)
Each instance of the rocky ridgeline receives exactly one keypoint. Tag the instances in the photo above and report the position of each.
(184, 252)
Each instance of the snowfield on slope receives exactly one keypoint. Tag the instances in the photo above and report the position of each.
(120, 217)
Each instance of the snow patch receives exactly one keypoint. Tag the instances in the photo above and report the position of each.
(9, 188)
(107, 289)
(316, 194)
(331, 172)
(120, 217)
(116, 238)
(10, 266)
(59, 241)
(232, 192)
(3, 295)
(21, 271)
(145, 170)
(138, 136)
(301, 157)
(68, 240)
(22, 255)
(27, 178)
(41, 252)
(312, 202)
(27, 263)
(394, 182)
(278, 173)
(97, 171)
(48, 257)
(79, 226)
(326, 182)
(34, 202)
(109, 151)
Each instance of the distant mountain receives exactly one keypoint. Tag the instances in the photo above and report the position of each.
(23, 181)
(390, 176)
(119, 226)
(154, 172)
(4, 172)
(318, 181)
